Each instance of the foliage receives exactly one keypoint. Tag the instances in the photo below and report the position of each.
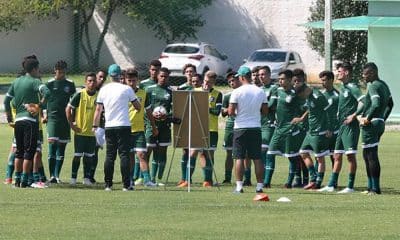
(350, 46)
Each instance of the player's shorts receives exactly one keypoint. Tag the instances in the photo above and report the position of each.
(371, 134)
(246, 143)
(84, 145)
(266, 136)
(228, 139)
(347, 138)
(316, 144)
(59, 130)
(26, 137)
(286, 141)
(163, 139)
(331, 142)
(138, 141)
(213, 141)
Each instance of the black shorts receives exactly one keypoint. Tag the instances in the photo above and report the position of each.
(247, 143)
(26, 136)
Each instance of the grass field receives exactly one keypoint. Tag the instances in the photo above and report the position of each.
(63, 212)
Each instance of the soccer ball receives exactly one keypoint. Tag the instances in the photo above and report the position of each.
(159, 113)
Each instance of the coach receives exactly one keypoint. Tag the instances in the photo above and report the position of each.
(245, 104)
(114, 98)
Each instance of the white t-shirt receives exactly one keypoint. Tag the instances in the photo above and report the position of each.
(115, 98)
(249, 99)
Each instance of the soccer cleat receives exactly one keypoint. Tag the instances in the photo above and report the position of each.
(58, 180)
(73, 181)
(17, 183)
(150, 184)
(183, 184)
(310, 186)
(24, 185)
(297, 185)
(247, 183)
(180, 182)
(287, 186)
(226, 182)
(86, 181)
(160, 184)
(371, 193)
(267, 185)
(207, 184)
(130, 188)
(39, 185)
(326, 189)
(238, 191)
(139, 181)
(8, 181)
(259, 191)
(346, 190)
(53, 180)
(107, 189)
(365, 192)
(92, 180)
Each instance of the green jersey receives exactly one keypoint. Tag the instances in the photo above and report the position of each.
(350, 95)
(287, 106)
(269, 119)
(317, 105)
(25, 90)
(376, 100)
(146, 83)
(61, 92)
(157, 95)
(333, 100)
(185, 86)
(230, 121)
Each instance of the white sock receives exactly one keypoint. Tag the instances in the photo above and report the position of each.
(259, 186)
(239, 185)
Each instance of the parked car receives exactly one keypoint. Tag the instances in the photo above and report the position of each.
(203, 55)
(276, 59)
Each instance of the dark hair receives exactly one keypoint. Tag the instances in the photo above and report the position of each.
(299, 73)
(346, 66)
(198, 75)
(328, 74)
(188, 65)
(372, 66)
(104, 71)
(230, 74)
(30, 64)
(131, 72)
(23, 71)
(90, 74)
(267, 68)
(155, 62)
(288, 73)
(60, 65)
(255, 69)
(164, 69)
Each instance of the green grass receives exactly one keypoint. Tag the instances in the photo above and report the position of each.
(63, 212)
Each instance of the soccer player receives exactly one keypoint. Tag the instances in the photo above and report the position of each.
(114, 99)
(350, 106)
(267, 124)
(245, 104)
(138, 139)
(24, 92)
(285, 140)
(255, 77)
(197, 81)
(228, 136)
(377, 108)
(189, 70)
(80, 113)
(157, 95)
(58, 129)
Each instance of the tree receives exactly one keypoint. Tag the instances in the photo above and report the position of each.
(350, 46)
(170, 20)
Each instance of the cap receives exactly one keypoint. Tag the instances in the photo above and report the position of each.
(243, 71)
(114, 70)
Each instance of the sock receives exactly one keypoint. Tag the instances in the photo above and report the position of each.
(154, 167)
(17, 176)
(59, 159)
(239, 185)
(87, 163)
(333, 179)
(269, 168)
(320, 178)
(36, 177)
(95, 160)
(305, 173)
(162, 163)
(42, 174)
(313, 173)
(376, 185)
(146, 176)
(136, 169)
(192, 167)
(247, 174)
(352, 177)
(292, 170)
(24, 178)
(30, 178)
(184, 161)
(369, 186)
(259, 186)
(228, 175)
(75, 167)
(207, 170)
(10, 165)
(52, 158)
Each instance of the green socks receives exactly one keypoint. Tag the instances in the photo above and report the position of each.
(60, 153)
(269, 168)
(10, 165)
(352, 177)
(75, 167)
(52, 158)
(333, 179)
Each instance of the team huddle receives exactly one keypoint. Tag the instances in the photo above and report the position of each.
(134, 119)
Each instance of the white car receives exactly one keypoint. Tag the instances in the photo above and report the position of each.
(203, 55)
(276, 59)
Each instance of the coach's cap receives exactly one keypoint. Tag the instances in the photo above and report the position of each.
(114, 70)
(243, 71)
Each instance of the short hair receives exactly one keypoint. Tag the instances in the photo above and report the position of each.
(372, 66)
(288, 73)
(198, 75)
(266, 68)
(60, 65)
(90, 74)
(155, 62)
(164, 69)
(299, 73)
(104, 71)
(328, 74)
(230, 74)
(188, 65)
(346, 66)
(255, 69)
(131, 72)
(211, 74)
(30, 64)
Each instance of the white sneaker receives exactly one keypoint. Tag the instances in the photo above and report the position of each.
(139, 181)
(107, 189)
(39, 185)
(128, 189)
(150, 184)
(58, 180)
(326, 189)
(73, 181)
(346, 190)
(160, 184)
(86, 181)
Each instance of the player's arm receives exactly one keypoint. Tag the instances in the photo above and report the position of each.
(149, 114)
(356, 93)
(232, 109)
(70, 112)
(7, 106)
(97, 113)
(133, 99)
(388, 108)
